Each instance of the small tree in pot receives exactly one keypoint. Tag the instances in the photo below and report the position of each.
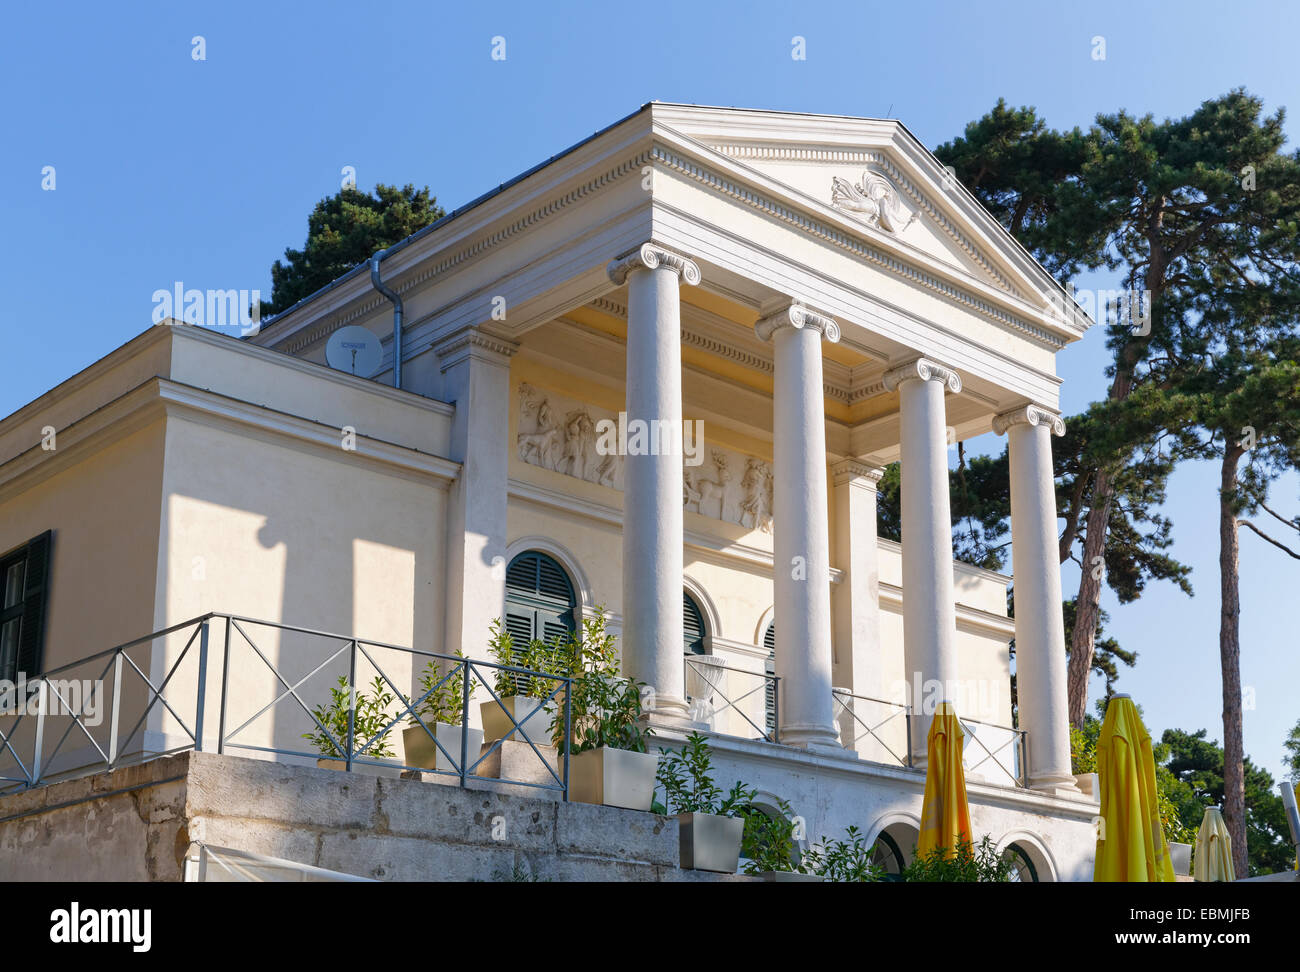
(440, 712)
(522, 696)
(609, 763)
(371, 725)
(711, 824)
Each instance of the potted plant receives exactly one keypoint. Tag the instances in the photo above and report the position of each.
(710, 825)
(521, 696)
(769, 846)
(371, 727)
(609, 764)
(440, 711)
(843, 860)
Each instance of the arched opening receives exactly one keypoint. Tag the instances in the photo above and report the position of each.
(540, 600)
(1022, 864)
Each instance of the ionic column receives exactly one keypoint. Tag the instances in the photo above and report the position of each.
(929, 610)
(801, 573)
(652, 484)
(1040, 628)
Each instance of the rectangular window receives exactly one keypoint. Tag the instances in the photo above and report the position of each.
(24, 581)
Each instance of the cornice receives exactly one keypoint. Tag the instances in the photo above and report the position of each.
(860, 247)
(843, 156)
(473, 343)
(1032, 415)
(923, 369)
(857, 472)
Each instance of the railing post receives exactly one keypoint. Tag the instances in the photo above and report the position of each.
(42, 694)
(568, 732)
(225, 681)
(352, 703)
(907, 718)
(203, 686)
(117, 708)
(465, 687)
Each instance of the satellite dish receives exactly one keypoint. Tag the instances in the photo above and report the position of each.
(355, 350)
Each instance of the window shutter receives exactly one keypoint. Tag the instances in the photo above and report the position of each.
(31, 639)
(769, 689)
(693, 628)
(540, 603)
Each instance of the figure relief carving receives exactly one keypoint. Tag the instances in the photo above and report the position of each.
(756, 505)
(874, 200)
(579, 443)
(538, 447)
(709, 496)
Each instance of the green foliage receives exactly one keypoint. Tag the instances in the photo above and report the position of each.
(537, 656)
(605, 706)
(442, 702)
(686, 778)
(1083, 746)
(371, 722)
(966, 863)
(344, 230)
(844, 860)
(1292, 749)
(768, 843)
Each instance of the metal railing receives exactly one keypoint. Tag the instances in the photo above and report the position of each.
(709, 678)
(882, 732)
(173, 705)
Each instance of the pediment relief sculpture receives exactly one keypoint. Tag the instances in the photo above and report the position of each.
(874, 200)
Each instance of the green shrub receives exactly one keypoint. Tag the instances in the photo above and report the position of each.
(971, 863)
(371, 722)
(605, 706)
(442, 703)
(686, 778)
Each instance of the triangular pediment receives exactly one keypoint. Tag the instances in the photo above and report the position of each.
(874, 174)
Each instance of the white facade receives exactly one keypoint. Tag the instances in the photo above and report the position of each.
(813, 291)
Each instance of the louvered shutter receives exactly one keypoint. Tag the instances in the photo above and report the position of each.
(769, 688)
(540, 601)
(31, 630)
(693, 629)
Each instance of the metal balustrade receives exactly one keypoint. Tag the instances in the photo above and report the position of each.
(169, 712)
(707, 677)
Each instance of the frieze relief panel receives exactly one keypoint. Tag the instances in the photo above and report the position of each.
(561, 434)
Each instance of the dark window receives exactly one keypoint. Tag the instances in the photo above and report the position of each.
(24, 579)
(769, 687)
(1022, 866)
(540, 602)
(693, 627)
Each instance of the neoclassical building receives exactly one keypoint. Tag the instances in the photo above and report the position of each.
(660, 374)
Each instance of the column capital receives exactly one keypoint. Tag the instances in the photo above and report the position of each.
(797, 316)
(1029, 415)
(650, 256)
(922, 369)
(470, 342)
(857, 472)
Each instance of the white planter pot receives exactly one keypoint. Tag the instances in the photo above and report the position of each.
(710, 842)
(614, 778)
(1181, 855)
(421, 751)
(365, 769)
(533, 718)
(791, 877)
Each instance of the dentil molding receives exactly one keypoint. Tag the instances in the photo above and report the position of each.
(923, 369)
(1029, 415)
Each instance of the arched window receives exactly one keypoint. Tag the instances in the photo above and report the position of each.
(1022, 865)
(769, 687)
(694, 629)
(540, 602)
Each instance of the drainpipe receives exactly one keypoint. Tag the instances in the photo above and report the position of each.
(397, 315)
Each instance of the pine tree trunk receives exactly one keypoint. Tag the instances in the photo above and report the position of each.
(1088, 603)
(1234, 786)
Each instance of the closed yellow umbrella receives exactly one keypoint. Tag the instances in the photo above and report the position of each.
(1131, 844)
(945, 815)
(1213, 849)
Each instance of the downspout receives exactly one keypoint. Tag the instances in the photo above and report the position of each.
(397, 315)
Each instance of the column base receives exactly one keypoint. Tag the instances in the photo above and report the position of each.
(1055, 783)
(811, 738)
(670, 713)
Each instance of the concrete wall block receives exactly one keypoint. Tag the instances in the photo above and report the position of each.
(626, 835)
(477, 817)
(289, 843)
(230, 786)
(389, 858)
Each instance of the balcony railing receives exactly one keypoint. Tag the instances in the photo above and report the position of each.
(732, 701)
(132, 703)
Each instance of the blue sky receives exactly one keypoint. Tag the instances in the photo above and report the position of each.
(173, 169)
